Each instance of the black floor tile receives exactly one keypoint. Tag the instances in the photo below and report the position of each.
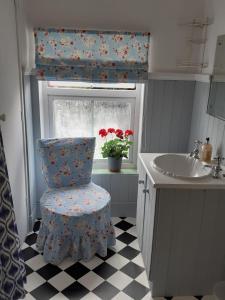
(77, 270)
(132, 270)
(124, 225)
(126, 238)
(106, 291)
(31, 239)
(75, 291)
(136, 290)
(28, 270)
(44, 292)
(105, 270)
(48, 271)
(110, 253)
(36, 226)
(28, 253)
(129, 252)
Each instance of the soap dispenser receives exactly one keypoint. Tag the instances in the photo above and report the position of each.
(206, 152)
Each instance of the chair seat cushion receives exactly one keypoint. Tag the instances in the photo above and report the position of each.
(75, 222)
(83, 200)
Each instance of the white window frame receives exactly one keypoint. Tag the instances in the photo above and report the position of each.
(48, 94)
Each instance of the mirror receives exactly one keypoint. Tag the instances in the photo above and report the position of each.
(216, 103)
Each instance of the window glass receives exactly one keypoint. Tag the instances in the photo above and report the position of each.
(85, 117)
(110, 114)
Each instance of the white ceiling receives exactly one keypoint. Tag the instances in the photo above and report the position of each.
(109, 14)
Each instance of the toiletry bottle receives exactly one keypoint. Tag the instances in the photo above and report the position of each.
(206, 152)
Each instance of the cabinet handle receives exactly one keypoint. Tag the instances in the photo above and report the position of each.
(141, 181)
(146, 191)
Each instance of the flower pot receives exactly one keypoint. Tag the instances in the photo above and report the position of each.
(114, 164)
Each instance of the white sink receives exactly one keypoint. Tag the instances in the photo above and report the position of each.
(181, 166)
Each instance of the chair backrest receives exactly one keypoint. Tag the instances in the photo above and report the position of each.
(67, 161)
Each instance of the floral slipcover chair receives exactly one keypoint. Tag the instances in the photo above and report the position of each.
(75, 212)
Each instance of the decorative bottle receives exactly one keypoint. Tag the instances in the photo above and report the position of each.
(206, 152)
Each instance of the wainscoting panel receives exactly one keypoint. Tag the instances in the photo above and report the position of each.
(123, 190)
(167, 116)
(203, 125)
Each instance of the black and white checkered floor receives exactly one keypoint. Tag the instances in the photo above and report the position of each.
(119, 276)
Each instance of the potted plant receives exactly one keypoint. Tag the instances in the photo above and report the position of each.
(116, 146)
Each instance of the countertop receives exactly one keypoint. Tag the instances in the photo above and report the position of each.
(163, 181)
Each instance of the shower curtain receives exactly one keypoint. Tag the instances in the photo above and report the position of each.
(12, 269)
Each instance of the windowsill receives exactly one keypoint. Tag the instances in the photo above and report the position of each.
(104, 171)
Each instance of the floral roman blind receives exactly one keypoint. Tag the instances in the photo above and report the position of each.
(81, 55)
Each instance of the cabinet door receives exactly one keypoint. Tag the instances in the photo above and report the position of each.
(148, 226)
(140, 204)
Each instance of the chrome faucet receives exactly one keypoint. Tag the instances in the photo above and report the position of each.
(217, 168)
(196, 151)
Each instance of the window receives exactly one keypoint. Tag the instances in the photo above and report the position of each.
(70, 109)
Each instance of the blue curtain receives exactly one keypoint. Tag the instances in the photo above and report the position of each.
(12, 269)
(81, 55)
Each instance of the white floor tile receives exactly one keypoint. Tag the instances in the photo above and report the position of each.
(133, 231)
(131, 220)
(117, 261)
(91, 280)
(33, 281)
(24, 246)
(66, 263)
(120, 280)
(122, 296)
(29, 297)
(142, 279)
(59, 296)
(115, 220)
(91, 296)
(119, 246)
(139, 260)
(118, 231)
(148, 296)
(61, 281)
(34, 247)
(36, 262)
(135, 245)
(93, 263)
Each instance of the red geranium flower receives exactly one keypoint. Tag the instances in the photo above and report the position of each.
(119, 133)
(102, 132)
(129, 132)
(111, 130)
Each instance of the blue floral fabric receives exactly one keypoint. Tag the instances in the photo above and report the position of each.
(12, 268)
(75, 222)
(75, 212)
(91, 55)
(68, 161)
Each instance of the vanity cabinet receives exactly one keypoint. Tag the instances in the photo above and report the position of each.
(181, 232)
(145, 216)
(148, 224)
(141, 204)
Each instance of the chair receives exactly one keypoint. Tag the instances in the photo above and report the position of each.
(75, 211)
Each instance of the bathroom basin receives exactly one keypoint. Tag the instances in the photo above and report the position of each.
(181, 166)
